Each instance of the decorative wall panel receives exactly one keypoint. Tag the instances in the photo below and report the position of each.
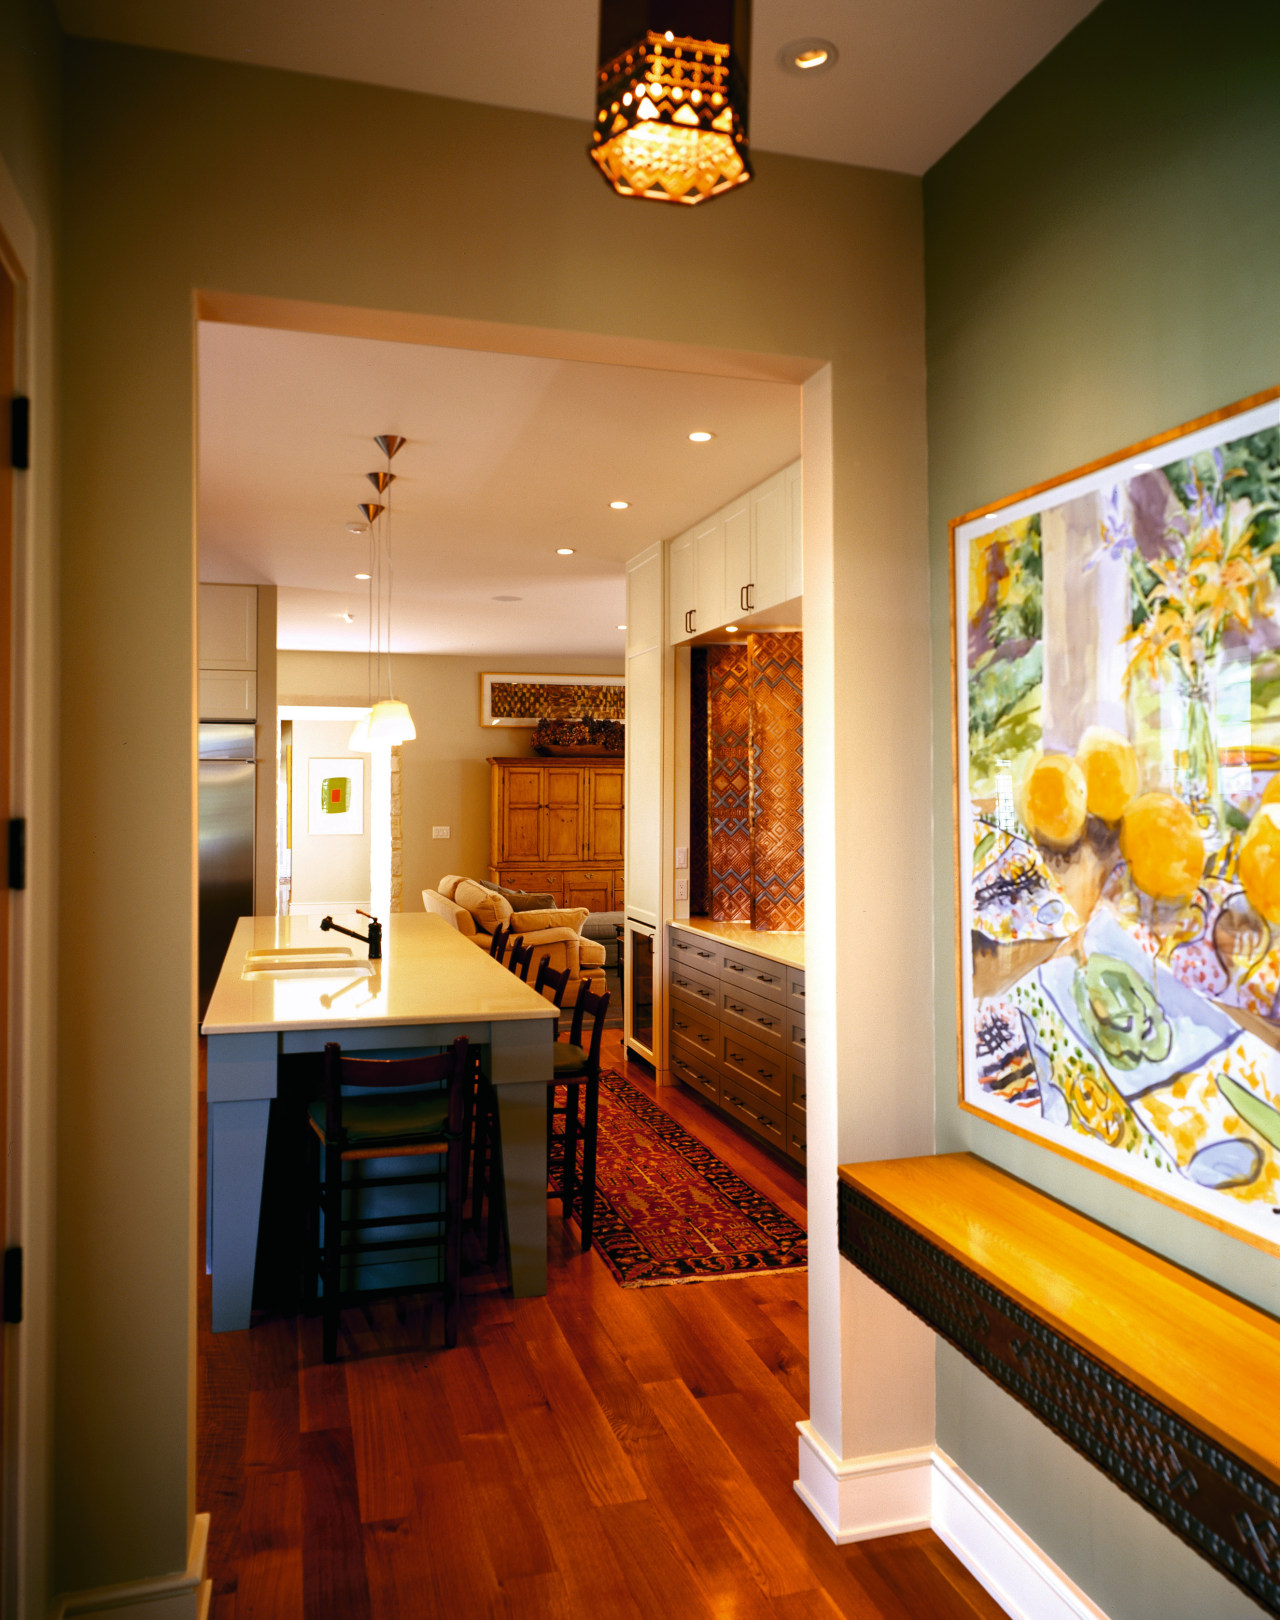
(699, 819)
(777, 780)
(729, 782)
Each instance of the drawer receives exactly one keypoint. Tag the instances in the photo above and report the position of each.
(753, 1015)
(755, 974)
(796, 1138)
(795, 989)
(759, 1118)
(695, 988)
(753, 1066)
(512, 877)
(795, 1086)
(692, 1026)
(694, 953)
(793, 1035)
(582, 874)
(695, 1068)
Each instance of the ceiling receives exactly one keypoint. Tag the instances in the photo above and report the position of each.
(507, 458)
(912, 76)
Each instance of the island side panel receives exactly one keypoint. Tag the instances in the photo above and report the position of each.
(521, 1069)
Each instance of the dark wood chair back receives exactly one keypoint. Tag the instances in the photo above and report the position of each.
(593, 1006)
(549, 979)
(449, 1069)
(520, 959)
(498, 943)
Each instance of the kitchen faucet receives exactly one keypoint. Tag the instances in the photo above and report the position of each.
(373, 938)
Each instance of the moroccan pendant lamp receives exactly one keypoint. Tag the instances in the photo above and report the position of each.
(671, 98)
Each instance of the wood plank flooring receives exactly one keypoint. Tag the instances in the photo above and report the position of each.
(600, 1452)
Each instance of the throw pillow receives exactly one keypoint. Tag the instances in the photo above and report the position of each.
(489, 910)
(448, 884)
(520, 899)
(533, 922)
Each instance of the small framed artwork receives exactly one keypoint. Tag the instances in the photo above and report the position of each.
(523, 700)
(1116, 653)
(335, 796)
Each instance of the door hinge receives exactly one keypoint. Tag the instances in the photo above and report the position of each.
(20, 432)
(17, 852)
(13, 1285)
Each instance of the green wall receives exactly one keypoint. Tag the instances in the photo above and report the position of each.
(1102, 263)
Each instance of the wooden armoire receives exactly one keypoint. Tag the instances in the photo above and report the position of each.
(556, 826)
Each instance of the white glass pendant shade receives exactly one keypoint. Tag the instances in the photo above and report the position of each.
(391, 722)
(359, 742)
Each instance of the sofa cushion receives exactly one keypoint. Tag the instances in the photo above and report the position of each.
(521, 899)
(448, 884)
(490, 910)
(529, 922)
(434, 902)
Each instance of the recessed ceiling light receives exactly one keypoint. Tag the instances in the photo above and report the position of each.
(700, 437)
(619, 506)
(564, 551)
(807, 57)
(731, 629)
(362, 576)
(349, 617)
(508, 598)
(356, 528)
(622, 627)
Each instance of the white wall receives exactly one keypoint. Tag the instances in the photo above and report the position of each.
(330, 866)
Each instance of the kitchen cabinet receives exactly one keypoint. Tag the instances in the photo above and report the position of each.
(736, 1035)
(556, 826)
(227, 641)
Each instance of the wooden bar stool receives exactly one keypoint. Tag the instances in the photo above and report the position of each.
(577, 1069)
(427, 1118)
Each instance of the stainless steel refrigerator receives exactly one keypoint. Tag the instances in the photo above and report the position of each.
(226, 842)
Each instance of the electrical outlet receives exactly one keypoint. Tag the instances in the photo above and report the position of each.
(440, 832)
(682, 859)
(682, 888)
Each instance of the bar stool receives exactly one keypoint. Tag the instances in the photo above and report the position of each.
(577, 1068)
(520, 959)
(428, 1120)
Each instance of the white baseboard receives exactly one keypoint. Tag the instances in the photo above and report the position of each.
(923, 1489)
(873, 1496)
(186, 1595)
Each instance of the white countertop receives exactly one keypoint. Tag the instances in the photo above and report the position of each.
(428, 973)
(785, 948)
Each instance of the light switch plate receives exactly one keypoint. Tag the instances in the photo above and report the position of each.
(440, 832)
(682, 859)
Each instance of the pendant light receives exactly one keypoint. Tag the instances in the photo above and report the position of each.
(388, 720)
(671, 98)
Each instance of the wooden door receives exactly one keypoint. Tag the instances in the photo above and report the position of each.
(521, 813)
(594, 890)
(605, 824)
(565, 806)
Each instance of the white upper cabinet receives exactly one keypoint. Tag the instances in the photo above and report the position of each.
(682, 590)
(744, 558)
(227, 629)
(644, 600)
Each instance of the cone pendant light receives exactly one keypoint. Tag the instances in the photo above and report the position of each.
(388, 720)
(671, 98)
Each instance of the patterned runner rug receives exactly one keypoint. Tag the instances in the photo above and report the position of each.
(668, 1210)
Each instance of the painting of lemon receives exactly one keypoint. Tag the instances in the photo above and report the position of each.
(1110, 769)
(1271, 793)
(1053, 801)
(1162, 844)
(1259, 865)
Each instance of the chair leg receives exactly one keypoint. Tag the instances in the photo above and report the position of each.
(483, 1178)
(497, 1192)
(311, 1240)
(569, 1183)
(468, 1122)
(331, 1251)
(590, 1133)
(452, 1241)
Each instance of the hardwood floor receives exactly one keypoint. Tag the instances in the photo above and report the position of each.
(599, 1452)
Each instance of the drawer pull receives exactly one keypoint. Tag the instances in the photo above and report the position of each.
(767, 1022)
(706, 956)
(733, 1007)
(678, 1024)
(734, 967)
(765, 1074)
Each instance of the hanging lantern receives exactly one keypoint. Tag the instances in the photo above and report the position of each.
(671, 98)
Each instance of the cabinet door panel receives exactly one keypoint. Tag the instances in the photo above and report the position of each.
(520, 834)
(593, 894)
(563, 785)
(708, 573)
(605, 825)
(681, 601)
(737, 557)
(564, 834)
(524, 785)
(769, 526)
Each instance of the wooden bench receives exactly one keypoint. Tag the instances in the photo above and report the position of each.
(1166, 1383)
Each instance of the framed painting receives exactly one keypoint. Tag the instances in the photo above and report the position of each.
(523, 700)
(335, 796)
(1116, 651)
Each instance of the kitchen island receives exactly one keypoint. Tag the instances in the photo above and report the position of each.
(287, 988)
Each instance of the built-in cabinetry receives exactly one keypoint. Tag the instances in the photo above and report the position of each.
(227, 639)
(744, 559)
(557, 826)
(736, 1034)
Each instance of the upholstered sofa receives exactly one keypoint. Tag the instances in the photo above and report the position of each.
(477, 910)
